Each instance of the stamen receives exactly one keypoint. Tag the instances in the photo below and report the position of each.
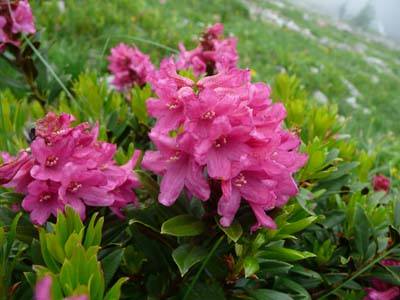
(208, 115)
(175, 157)
(240, 181)
(45, 197)
(222, 140)
(74, 186)
(171, 106)
(51, 161)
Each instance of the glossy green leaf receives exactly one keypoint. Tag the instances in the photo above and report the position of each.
(115, 292)
(274, 267)
(234, 232)
(362, 230)
(47, 257)
(295, 287)
(186, 256)
(284, 254)
(183, 225)
(93, 232)
(266, 294)
(110, 264)
(396, 214)
(298, 225)
(250, 265)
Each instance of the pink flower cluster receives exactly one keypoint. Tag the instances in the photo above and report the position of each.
(213, 55)
(15, 18)
(129, 66)
(68, 166)
(222, 129)
(383, 290)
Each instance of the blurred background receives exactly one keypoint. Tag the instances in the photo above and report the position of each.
(381, 16)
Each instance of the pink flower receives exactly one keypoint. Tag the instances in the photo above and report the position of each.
(80, 186)
(173, 90)
(129, 66)
(68, 166)
(51, 158)
(212, 56)
(381, 183)
(390, 294)
(122, 192)
(53, 125)
(167, 78)
(223, 146)
(43, 288)
(178, 167)
(14, 172)
(227, 82)
(3, 35)
(23, 19)
(42, 200)
(226, 131)
(11, 25)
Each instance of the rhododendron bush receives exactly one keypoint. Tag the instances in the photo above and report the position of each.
(184, 179)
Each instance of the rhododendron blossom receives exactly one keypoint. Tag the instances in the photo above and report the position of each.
(16, 18)
(129, 66)
(213, 55)
(68, 166)
(223, 129)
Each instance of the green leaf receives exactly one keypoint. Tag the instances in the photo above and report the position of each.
(298, 225)
(183, 225)
(265, 294)
(74, 222)
(210, 291)
(111, 263)
(68, 277)
(93, 232)
(73, 241)
(234, 232)
(186, 256)
(294, 287)
(274, 267)
(47, 257)
(12, 234)
(138, 102)
(61, 228)
(115, 292)
(396, 214)
(298, 269)
(284, 254)
(55, 248)
(342, 169)
(362, 230)
(2, 236)
(250, 265)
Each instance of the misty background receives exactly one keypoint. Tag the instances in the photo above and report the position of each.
(382, 16)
